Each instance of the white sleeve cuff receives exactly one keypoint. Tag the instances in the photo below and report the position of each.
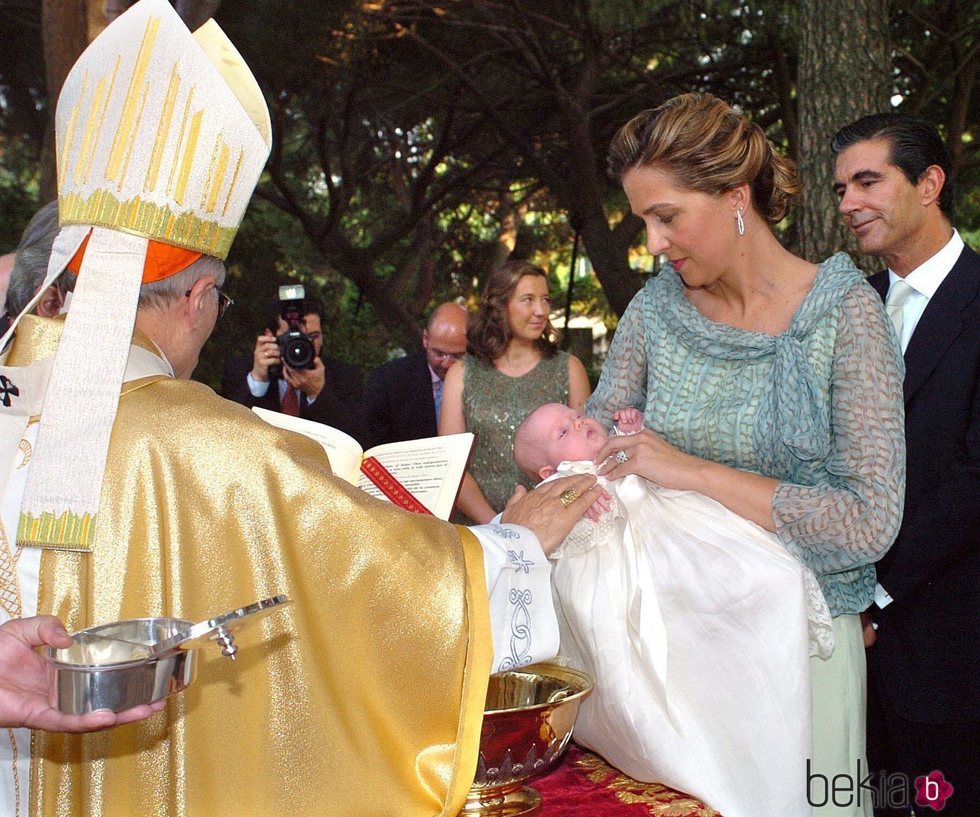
(522, 613)
(257, 388)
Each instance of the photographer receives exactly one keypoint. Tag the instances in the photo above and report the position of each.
(327, 390)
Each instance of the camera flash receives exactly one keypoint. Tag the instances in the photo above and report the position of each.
(292, 292)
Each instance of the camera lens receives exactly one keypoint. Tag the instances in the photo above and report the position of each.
(297, 350)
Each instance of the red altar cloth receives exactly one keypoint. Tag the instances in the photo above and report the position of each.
(584, 785)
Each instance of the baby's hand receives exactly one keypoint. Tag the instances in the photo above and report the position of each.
(629, 420)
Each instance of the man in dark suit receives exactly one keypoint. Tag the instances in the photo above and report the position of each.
(403, 397)
(330, 392)
(893, 178)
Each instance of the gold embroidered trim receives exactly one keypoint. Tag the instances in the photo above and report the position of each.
(64, 531)
(145, 218)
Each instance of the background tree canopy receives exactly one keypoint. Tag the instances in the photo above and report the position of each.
(419, 143)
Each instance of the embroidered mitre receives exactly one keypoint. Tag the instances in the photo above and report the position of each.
(161, 138)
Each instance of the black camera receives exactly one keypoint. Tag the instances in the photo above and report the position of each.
(295, 346)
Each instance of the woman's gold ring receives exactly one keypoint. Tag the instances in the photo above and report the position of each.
(567, 497)
(622, 456)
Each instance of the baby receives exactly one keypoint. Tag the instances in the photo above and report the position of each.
(555, 433)
(694, 623)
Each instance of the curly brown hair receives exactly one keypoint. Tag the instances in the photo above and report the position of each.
(707, 146)
(489, 335)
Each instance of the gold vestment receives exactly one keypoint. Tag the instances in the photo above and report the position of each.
(365, 697)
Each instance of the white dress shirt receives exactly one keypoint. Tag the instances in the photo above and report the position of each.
(258, 388)
(925, 279)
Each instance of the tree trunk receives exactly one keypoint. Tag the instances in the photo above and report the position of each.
(608, 252)
(390, 306)
(64, 27)
(844, 73)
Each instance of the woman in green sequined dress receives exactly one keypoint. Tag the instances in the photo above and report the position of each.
(513, 366)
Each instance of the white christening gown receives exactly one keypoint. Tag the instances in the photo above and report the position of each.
(697, 626)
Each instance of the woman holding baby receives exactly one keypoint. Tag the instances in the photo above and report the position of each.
(772, 385)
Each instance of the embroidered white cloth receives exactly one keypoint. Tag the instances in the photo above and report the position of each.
(695, 625)
(522, 614)
(20, 573)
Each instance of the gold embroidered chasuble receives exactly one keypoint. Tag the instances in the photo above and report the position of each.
(365, 697)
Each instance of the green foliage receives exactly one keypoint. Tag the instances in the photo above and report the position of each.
(417, 142)
(18, 190)
(23, 108)
(937, 59)
(270, 250)
(413, 133)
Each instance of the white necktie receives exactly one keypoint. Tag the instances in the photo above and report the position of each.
(898, 295)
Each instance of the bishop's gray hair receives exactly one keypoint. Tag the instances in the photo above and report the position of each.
(31, 262)
(162, 293)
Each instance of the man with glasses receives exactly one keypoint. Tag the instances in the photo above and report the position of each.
(262, 379)
(224, 301)
(403, 397)
(129, 491)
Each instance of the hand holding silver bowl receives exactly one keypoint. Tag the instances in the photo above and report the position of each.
(139, 661)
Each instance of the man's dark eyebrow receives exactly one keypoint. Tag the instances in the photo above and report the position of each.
(860, 176)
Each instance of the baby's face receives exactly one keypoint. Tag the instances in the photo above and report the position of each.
(564, 434)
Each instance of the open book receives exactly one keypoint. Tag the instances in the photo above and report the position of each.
(419, 475)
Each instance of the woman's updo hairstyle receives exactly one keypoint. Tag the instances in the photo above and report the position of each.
(489, 335)
(707, 146)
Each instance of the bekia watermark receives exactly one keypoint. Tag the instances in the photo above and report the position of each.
(884, 790)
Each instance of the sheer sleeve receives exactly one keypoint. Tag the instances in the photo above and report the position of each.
(853, 517)
(624, 375)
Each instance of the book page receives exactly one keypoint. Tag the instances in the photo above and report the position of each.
(343, 451)
(431, 469)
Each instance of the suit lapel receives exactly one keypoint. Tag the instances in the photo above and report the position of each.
(423, 382)
(942, 320)
(879, 281)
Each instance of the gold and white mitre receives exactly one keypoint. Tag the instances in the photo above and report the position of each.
(161, 138)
